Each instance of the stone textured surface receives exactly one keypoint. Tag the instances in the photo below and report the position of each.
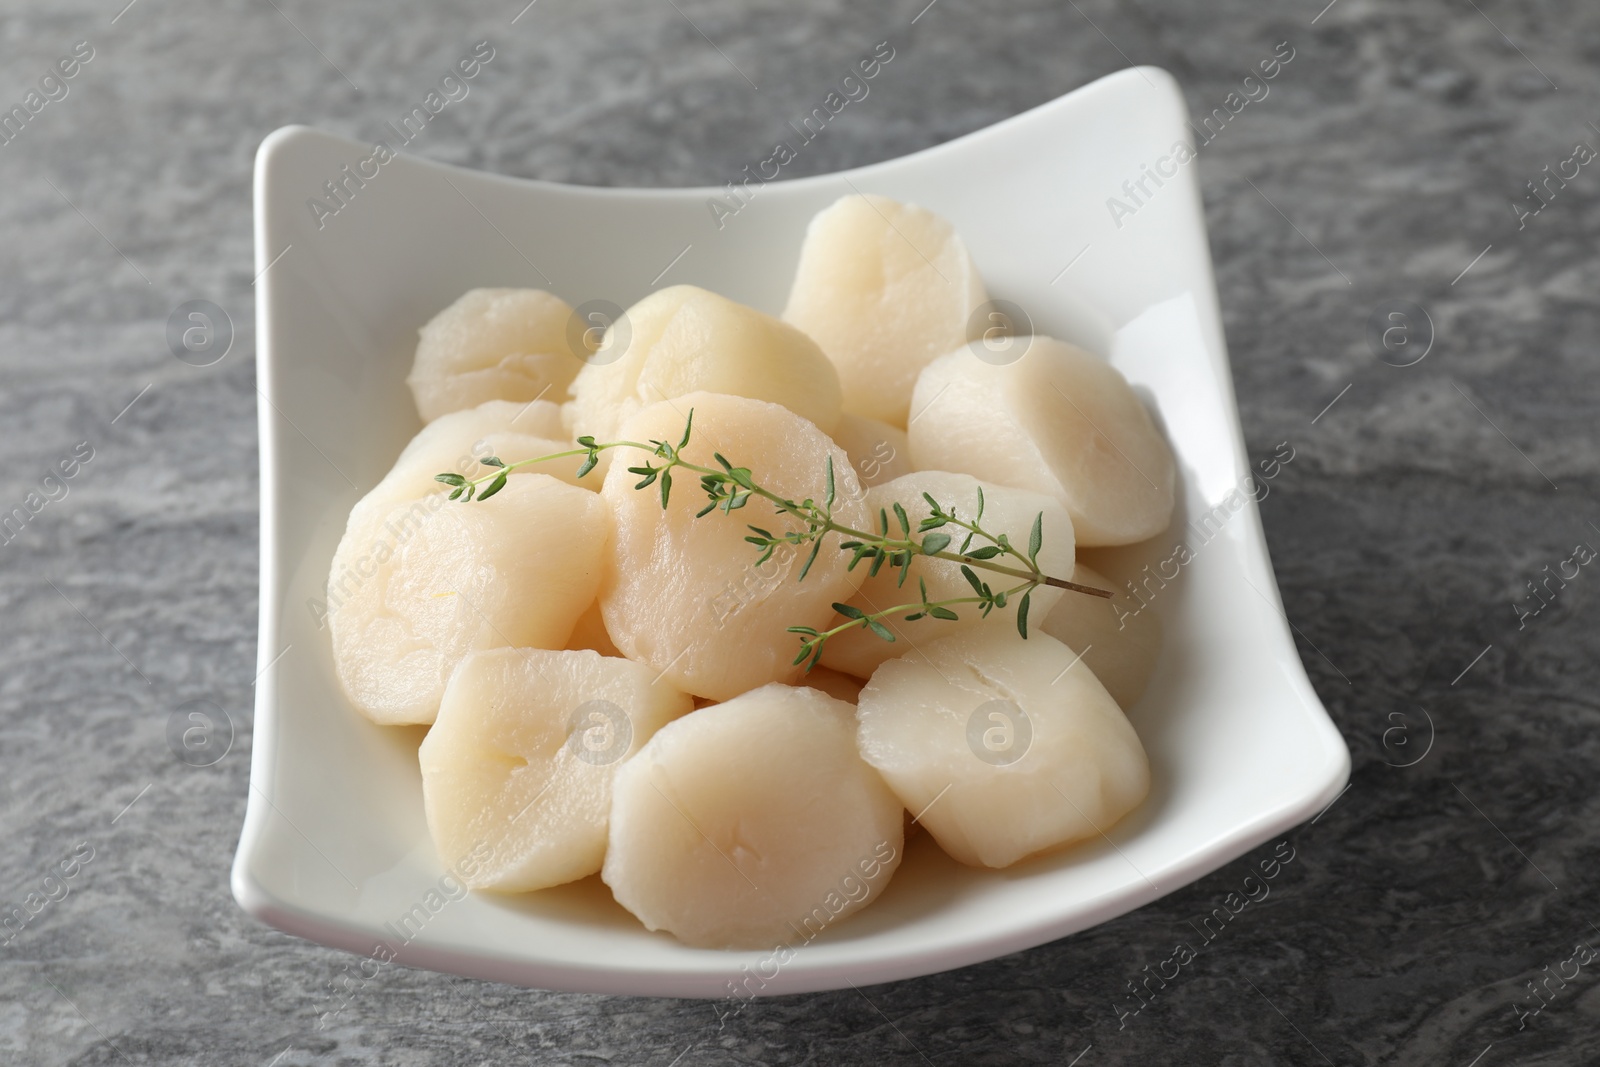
(1417, 909)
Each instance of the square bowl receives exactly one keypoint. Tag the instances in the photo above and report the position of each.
(335, 847)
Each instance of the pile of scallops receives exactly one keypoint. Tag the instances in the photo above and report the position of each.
(610, 685)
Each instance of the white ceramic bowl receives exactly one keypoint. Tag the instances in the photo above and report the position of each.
(334, 846)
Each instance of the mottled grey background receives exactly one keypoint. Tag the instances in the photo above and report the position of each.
(1384, 161)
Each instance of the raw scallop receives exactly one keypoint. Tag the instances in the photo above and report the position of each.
(520, 761)
(455, 442)
(682, 340)
(494, 344)
(752, 823)
(884, 288)
(517, 569)
(1058, 421)
(1003, 748)
(685, 594)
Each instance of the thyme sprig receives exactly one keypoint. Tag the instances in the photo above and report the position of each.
(729, 488)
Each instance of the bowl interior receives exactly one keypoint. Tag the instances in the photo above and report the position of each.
(335, 847)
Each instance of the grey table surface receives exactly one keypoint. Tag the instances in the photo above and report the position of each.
(1388, 159)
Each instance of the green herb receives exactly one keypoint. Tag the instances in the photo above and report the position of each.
(729, 488)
